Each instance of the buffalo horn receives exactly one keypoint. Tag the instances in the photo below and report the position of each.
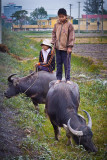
(89, 119)
(77, 133)
(9, 78)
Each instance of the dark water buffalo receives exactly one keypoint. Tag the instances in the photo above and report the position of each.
(62, 104)
(35, 85)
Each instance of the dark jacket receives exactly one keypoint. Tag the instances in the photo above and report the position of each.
(50, 61)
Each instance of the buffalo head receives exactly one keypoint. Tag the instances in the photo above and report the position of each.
(83, 134)
(13, 88)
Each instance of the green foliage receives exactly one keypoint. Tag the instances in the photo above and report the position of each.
(39, 13)
(20, 45)
(84, 65)
(37, 150)
(19, 17)
(94, 7)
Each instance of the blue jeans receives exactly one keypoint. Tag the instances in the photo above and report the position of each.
(63, 58)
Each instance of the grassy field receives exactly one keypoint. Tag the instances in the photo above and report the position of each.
(38, 35)
(40, 144)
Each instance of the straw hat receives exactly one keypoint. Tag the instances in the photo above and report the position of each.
(46, 42)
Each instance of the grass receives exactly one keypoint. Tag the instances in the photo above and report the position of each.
(38, 33)
(78, 40)
(20, 45)
(40, 144)
(91, 40)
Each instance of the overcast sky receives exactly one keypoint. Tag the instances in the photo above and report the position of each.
(51, 6)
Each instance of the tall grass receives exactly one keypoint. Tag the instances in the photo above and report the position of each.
(20, 45)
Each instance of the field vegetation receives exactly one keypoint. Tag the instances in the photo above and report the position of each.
(40, 143)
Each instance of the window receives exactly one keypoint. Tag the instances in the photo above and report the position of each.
(92, 20)
(50, 23)
(43, 23)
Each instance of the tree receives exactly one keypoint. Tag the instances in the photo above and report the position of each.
(104, 11)
(93, 7)
(0, 24)
(38, 13)
(19, 17)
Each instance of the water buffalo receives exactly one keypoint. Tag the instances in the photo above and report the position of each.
(62, 104)
(35, 85)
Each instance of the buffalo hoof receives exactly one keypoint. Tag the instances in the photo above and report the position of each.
(69, 143)
(56, 138)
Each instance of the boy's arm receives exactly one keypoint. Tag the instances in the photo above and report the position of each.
(71, 36)
(40, 57)
(54, 35)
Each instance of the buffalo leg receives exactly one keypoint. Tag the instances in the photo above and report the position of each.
(69, 141)
(56, 130)
(68, 134)
(35, 104)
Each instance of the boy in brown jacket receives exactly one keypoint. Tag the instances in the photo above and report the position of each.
(63, 40)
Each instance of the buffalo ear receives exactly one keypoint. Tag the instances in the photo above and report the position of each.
(65, 127)
(16, 81)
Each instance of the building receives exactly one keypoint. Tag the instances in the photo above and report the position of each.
(42, 24)
(49, 22)
(10, 9)
(94, 22)
(45, 22)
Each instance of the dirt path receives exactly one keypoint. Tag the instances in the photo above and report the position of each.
(95, 51)
(10, 135)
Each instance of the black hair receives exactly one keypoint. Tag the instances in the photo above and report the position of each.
(62, 11)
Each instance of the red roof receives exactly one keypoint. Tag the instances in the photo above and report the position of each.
(3, 16)
(9, 19)
(94, 16)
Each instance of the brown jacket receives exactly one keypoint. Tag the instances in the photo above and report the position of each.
(63, 35)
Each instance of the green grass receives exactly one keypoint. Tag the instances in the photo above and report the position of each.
(37, 33)
(40, 144)
(81, 64)
(91, 40)
(20, 45)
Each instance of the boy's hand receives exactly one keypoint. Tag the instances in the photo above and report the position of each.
(69, 50)
(53, 50)
(38, 64)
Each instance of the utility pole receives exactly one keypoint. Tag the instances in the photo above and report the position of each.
(87, 18)
(78, 17)
(98, 19)
(102, 16)
(0, 25)
(70, 11)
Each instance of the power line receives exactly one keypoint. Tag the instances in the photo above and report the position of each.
(78, 17)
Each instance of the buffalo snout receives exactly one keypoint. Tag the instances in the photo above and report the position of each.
(6, 95)
(90, 147)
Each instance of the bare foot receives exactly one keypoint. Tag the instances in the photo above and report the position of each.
(69, 82)
(58, 81)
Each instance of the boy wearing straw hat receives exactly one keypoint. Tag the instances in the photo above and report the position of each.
(46, 57)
